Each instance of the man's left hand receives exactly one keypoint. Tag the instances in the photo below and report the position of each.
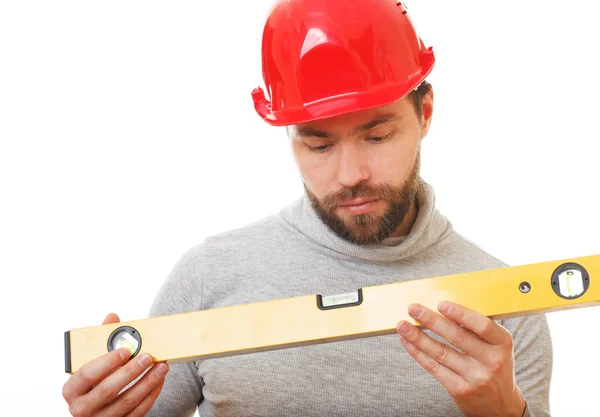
(480, 375)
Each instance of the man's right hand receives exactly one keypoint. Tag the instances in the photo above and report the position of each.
(93, 391)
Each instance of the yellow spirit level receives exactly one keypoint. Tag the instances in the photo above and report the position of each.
(370, 311)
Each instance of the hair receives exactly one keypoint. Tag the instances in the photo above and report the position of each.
(416, 97)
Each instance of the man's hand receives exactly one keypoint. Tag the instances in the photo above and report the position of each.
(93, 391)
(480, 377)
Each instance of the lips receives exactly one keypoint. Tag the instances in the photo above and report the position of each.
(358, 201)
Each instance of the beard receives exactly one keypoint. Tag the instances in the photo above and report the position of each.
(372, 227)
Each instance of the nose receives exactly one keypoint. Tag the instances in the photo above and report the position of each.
(352, 165)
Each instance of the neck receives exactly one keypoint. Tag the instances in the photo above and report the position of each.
(408, 222)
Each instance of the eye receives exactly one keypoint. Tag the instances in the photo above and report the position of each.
(319, 149)
(379, 139)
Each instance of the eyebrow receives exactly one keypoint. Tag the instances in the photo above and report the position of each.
(305, 132)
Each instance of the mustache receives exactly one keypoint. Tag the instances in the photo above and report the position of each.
(381, 191)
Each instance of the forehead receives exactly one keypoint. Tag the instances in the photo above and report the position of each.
(348, 123)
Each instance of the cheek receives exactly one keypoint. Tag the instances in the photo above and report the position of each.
(394, 164)
(317, 175)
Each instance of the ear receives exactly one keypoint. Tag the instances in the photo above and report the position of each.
(427, 111)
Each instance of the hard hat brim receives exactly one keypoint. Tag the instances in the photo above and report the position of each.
(344, 103)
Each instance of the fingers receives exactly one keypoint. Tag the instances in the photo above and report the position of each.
(146, 404)
(90, 374)
(111, 318)
(439, 352)
(446, 328)
(107, 390)
(485, 370)
(477, 323)
(447, 377)
(138, 399)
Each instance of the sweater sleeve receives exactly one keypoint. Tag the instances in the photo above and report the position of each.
(180, 293)
(533, 361)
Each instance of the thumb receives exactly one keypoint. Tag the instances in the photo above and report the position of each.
(111, 318)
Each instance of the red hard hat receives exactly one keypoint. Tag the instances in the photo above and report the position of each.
(323, 58)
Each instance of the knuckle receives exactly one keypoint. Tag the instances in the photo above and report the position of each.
(442, 354)
(155, 378)
(466, 391)
(458, 336)
(484, 379)
(67, 392)
(160, 371)
(428, 319)
(132, 371)
(84, 375)
(106, 393)
(127, 403)
(78, 410)
(488, 327)
(497, 364)
(431, 365)
(413, 336)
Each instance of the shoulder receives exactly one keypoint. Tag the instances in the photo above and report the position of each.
(243, 238)
(182, 291)
(458, 249)
(267, 235)
(264, 226)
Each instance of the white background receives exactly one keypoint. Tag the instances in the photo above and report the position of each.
(127, 135)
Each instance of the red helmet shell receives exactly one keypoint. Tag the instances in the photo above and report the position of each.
(323, 58)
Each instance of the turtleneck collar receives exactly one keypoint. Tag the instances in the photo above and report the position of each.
(430, 226)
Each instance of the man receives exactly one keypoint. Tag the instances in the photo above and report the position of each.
(348, 81)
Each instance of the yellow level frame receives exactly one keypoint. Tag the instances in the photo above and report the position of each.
(291, 322)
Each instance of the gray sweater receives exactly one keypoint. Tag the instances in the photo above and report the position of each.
(292, 253)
